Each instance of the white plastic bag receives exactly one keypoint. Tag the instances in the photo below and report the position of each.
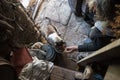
(36, 70)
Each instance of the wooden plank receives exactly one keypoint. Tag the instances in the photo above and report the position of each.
(60, 73)
(39, 3)
(113, 73)
(108, 52)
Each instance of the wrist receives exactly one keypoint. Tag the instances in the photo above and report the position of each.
(76, 48)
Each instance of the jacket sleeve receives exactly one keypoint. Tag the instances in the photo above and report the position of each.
(89, 47)
(97, 41)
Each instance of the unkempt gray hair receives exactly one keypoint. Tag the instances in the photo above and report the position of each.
(104, 8)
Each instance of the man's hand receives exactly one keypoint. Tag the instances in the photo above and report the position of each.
(71, 49)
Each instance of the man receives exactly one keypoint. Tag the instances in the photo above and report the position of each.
(98, 39)
(100, 34)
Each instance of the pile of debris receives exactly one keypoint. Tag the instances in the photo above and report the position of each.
(13, 15)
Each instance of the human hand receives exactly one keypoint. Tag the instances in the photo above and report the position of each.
(71, 49)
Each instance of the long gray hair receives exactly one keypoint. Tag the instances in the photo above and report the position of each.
(105, 9)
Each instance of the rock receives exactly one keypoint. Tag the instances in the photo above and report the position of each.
(56, 10)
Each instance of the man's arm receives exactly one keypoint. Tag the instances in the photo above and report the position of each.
(89, 47)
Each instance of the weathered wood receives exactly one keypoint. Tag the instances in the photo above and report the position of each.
(113, 73)
(39, 2)
(60, 73)
(107, 53)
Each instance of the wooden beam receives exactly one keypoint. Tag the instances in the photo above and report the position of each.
(113, 73)
(106, 53)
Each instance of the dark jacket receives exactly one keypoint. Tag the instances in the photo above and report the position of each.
(98, 41)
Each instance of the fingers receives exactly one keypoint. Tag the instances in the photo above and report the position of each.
(71, 49)
(68, 50)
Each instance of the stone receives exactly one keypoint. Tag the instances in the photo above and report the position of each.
(56, 10)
